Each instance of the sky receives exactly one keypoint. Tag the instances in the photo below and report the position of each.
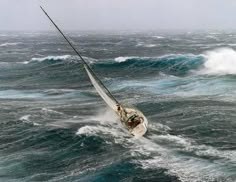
(119, 14)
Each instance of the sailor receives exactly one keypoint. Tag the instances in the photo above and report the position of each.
(118, 107)
(122, 113)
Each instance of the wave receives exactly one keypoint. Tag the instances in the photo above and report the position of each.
(123, 59)
(220, 62)
(50, 111)
(174, 64)
(158, 37)
(9, 44)
(215, 62)
(48, 58)
(26, 119)
(62, 58)
(19, 94)
(141, 44)
(152, 153)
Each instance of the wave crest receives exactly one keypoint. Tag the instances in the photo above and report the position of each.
(9, 44)
(48, 58)
(174, 64)
(220, 61)
(123, 59)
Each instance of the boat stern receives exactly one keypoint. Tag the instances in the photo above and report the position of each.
(140, 129)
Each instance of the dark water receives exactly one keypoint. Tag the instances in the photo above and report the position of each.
(54, 126)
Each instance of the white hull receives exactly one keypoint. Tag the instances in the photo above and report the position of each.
(141, 128)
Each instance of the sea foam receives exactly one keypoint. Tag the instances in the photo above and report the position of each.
(9, 44)
(123, 59)
(220, 61)
(63, 57)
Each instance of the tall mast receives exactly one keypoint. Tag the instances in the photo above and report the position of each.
(77, 52)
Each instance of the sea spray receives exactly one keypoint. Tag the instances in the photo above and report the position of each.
(220, 61)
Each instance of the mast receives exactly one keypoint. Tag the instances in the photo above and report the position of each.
(77, 52)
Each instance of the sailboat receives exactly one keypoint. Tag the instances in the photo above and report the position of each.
(132, 119)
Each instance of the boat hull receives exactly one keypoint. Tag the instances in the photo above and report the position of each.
(134, 121)
(139, 130)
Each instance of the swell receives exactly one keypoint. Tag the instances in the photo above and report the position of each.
(215, 62)
(68, 71)
(170, 64)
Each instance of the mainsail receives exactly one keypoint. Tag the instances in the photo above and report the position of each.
(102, 92)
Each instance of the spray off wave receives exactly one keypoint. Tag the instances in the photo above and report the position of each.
(220, 62)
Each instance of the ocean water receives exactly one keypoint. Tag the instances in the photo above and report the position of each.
(55, 127)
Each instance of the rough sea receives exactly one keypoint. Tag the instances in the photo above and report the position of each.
(55, 127)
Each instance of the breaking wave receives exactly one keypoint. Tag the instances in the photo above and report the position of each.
(174, 64)
(9, 44)
(62, 58)
(48, 59)
(215, 62)
(220, 61)
(158, 37)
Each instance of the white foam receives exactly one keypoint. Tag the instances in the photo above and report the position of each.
(25, 118)
(59, 91)
(158, 37)
(211, 37)
(64, 57)
(123, 59)
(109, 127)
(16, 94)
(46, 110)
(9, 44)
(231, 45)
(173, 139)
(149, 45)
(186, 168)
(220, 61)
(142, 44)
(106, 116)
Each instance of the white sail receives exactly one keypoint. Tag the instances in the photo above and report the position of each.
(110, 102)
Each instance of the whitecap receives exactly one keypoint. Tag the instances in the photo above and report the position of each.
(9, 44)
(25, 118)
(149, 45)
(142, 44)
(47, 110)
(219, 61)
(63, 57)
(158, 37)
(123, 59)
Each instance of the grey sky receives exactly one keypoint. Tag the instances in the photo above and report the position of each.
(119, 14)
